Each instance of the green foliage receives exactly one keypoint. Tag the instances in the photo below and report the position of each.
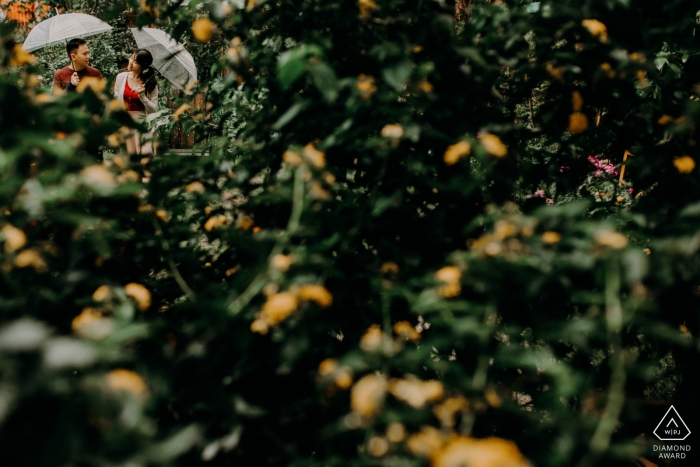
(364, 245)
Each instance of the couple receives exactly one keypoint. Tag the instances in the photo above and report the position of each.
(136, 88)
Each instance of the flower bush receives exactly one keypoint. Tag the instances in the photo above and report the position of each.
(365, 268)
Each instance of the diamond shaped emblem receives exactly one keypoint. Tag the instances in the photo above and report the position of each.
(672, 427)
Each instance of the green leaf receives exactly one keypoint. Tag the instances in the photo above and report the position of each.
(397, 75)
(291, 64)
(325, 80)
(175, 446)
(288, 116)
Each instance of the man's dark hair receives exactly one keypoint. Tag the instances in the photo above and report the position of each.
(73, 44)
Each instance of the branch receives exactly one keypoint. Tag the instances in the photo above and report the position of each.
(173, 267)
(254, 288)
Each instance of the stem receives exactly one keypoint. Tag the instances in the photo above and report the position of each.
(173, 267)
(254, 288)
(600, 442)
(356, 228)
(532, 113)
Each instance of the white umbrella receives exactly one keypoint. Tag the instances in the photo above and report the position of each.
(62, 28)
(169, 56)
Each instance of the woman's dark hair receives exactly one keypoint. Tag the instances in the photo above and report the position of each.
(148, 74)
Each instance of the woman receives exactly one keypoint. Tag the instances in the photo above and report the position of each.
(138, 90)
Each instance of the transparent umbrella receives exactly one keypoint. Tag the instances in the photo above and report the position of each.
(170, 58)
(62, 28)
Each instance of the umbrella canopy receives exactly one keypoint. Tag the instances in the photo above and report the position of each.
(62, 28)
(169, 57)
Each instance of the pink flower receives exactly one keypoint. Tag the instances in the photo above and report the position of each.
(563, 167)
(549, 201)
(630, 191)
(539, 193)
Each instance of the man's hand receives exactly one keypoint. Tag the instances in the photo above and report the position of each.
(75, 80)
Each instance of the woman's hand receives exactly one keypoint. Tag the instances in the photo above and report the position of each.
(141, 89)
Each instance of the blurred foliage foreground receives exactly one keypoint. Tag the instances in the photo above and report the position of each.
(412, 243)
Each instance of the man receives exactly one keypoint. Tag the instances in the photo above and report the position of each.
(68, 78)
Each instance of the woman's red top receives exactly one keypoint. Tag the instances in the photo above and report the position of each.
(131, 98)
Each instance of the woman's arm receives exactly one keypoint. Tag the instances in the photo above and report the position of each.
(150, 101)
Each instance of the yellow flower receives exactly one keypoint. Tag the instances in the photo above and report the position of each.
(85, 318)
(127, 381)
(116, 104)
(98, 176)
(556, 72)
(91, 324)
(21, 57)
(607, 68)
(96, 84)
(366, 7)
(446, 411)
(316, 157)
(392, 130)
(455, 152)
(551, 237)
(180, 110)
(578, 123)
(44, 98)
(426, 442)
(244, 222)
(377, 446)
(278, 307)
(250, 5)
(642, 78)
(202, 29)
(449, 274)
(684, 164)
(327, 367)
(128, 176)
(102, 294)
(416, 392)
(281, 262)
(31, 258)
(140, 294)
(343, 378)
(647, 251)
(389, 267)
(665, 120)
(372, 339)
(365, 84)
(214, 222)
(426, 87)
(395, 432)
(163, 215)
(315, 293)
(367, 395)
(406, 330)
(260, 326)
(113, 140)
(504, 229)
(14, 238)
(492, 397)
(292, 157)
(489, 452)
(493, 145)
(577, 101)
(611, 239)
(596, 28)
(195, 187)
